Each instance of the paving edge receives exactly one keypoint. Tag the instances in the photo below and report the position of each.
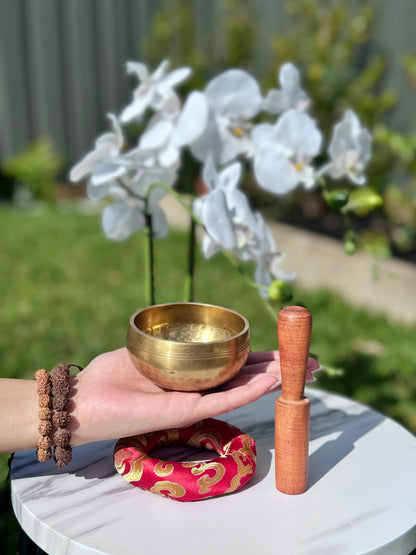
(321, 263)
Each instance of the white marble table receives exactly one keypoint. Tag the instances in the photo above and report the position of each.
(361, 496)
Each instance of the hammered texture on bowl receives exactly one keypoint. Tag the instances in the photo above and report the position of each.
(188, 346)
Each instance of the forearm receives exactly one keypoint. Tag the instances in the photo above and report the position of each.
(18, 415)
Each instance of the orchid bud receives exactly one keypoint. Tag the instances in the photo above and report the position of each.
(279, 290)
(363, 200)
(350, 242)
(336, 199)
(350, 246)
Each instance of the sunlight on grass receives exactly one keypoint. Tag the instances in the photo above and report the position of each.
(67, 294)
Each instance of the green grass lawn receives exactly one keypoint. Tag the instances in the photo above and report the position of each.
(67, 293)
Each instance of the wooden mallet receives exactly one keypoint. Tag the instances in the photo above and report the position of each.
(294, 326)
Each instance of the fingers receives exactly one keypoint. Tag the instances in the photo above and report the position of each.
(259, 357)
(248, 378)
(270, 367)
(312, 365)
(225, 401)
(262, 356)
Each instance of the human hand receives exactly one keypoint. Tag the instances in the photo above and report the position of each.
(111, 399)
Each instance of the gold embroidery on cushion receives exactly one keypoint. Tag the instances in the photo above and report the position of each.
(120, 456)
(244, 454)
(169, 436)
(163, 468)
(136, 468)
(174, 490)
(141, 440)
(213, 436)
(206, 482)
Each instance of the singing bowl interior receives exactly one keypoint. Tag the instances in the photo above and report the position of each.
(188, 346)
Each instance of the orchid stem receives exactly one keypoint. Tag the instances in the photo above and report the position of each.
(150, 266)
(190, 277)
(269, 309)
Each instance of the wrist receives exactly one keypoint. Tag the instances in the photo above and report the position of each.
(19, 415)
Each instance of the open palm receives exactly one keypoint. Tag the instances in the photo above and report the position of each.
(111, 399)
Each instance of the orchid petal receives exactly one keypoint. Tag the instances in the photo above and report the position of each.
(238, 203)
(208, 142)
(274, 172)
(197, 208)
(155, 196)
(230, 176)
(119, 221)
(350, 150)
(289, 79)
(174, 78)
(299, 132)
(99, 192)
(107, 172)
(156, 135)
(169, 156)
(139, 69)
(118, 132)
(217, 219)
(209, 246)
(192, 121)
(160, 225)
(274, 102)
(234, 93)
(262, 276)
(136, 109)
(209, 172)
(262, 134)
(160, 70)
(231, 146)
(85, 166)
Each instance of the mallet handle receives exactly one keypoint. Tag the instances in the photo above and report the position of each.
(293, 408)
(294, 327)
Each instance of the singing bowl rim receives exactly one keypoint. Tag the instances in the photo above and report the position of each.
(161, 341)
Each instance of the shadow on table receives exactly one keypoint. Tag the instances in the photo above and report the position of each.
(96, 460)
(324, 422)
(350, 428)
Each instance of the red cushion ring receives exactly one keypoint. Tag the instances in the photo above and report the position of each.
(189, 481)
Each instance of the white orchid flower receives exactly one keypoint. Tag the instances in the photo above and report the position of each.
(285, 151)
(267, 258)
(290, 95)
(158, 139)
(104, 163)
(224, 210)
(231, 224)
(217, 121)
(350, 150)
(228, 220)
(123, 218)
(127, 215)
(155, 90)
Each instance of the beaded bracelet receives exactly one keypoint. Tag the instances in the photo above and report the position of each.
(60, 418)
(53, 390)
(45, 415)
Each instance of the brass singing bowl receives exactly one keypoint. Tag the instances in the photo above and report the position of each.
(188, 346)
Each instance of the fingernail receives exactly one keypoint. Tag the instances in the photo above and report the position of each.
(275, 386)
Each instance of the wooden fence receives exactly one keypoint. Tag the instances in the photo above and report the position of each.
(62, 62)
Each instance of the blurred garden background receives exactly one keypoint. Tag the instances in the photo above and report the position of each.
(67, 292)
